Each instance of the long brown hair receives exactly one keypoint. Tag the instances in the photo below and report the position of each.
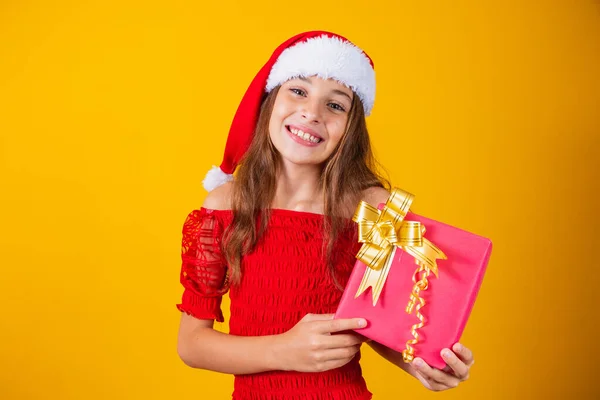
(349, 170)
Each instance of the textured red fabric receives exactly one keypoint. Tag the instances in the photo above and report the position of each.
(283, 279)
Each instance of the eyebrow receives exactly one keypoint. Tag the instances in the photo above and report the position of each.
(336, 91)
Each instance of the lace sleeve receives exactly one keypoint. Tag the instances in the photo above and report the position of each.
(203, 268)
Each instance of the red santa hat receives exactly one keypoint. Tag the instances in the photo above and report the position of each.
(314, 53)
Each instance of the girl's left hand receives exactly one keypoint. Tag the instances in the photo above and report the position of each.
(456, 371)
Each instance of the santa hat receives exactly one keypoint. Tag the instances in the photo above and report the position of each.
(314, 53)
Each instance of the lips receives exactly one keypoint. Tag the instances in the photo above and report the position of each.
(304, 135)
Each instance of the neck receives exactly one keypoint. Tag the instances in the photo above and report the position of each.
(298, 189)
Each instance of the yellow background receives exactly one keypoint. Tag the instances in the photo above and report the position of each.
(112, 111)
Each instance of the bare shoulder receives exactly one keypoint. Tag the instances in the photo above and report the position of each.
(375, 195)
(219, 198)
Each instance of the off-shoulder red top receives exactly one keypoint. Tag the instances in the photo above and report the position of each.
(284, 278)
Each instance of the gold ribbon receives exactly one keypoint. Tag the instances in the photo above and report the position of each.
(408, 354)
(382, 232)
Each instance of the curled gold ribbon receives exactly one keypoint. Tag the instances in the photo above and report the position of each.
(381, 233)
(416, 303)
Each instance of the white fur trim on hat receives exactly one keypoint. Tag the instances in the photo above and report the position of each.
(327, 57)
(215, 178)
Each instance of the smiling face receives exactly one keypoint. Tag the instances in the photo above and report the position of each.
(309, 118)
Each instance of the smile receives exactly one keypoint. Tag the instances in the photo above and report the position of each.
(304, 136)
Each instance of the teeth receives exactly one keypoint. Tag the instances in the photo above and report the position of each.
(304, 135)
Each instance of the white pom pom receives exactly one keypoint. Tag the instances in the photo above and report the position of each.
(215, 178)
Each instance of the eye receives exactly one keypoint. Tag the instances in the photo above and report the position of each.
(297, 91)
(337, 107)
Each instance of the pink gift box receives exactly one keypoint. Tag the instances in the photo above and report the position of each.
(449, 297)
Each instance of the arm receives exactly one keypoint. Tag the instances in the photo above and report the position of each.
(203, 276)
(308, 347)
(200, 346)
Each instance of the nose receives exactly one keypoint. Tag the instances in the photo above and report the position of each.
(311, 111)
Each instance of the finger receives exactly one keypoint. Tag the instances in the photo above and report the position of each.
(423, 380)
(450, 383)
(332, 364)
(360, 337)
(436, 386)
(342, 340)
(339, 325)
(336, 358)
(429, 373)
(340, 353)
(460, 369)
(465, 354)
(433, 378)
(433, 385)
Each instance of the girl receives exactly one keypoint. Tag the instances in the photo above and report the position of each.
(280, 237)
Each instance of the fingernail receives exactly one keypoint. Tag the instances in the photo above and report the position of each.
(459, 347)
(447, 353)
(362, 323)
(418, 362)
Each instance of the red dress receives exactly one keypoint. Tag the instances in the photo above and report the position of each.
(283, 279)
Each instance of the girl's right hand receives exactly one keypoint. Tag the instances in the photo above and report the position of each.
(310, 346)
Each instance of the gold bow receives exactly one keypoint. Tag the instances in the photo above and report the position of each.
(382, 232)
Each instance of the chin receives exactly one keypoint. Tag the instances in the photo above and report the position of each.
(298, 160)
(301, 162)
